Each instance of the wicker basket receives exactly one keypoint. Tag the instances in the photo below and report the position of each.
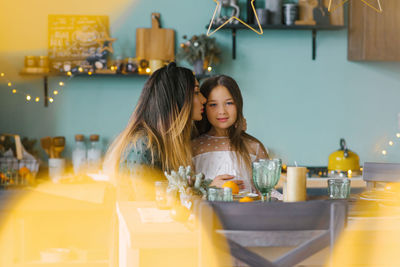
(17, 171)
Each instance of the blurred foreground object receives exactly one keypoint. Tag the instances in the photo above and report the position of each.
(62, 224)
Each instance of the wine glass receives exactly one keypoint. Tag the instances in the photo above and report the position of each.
(266, 174)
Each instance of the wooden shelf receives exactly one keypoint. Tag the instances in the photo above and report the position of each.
(312, 28)
(46, 76)
(281, 27)
(54, 74)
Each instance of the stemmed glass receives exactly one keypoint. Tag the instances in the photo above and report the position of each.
(266, 174)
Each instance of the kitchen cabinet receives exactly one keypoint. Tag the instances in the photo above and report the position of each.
(374, 36)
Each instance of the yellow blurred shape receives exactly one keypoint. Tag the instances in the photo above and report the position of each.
(59, 223)
(246, 199)
(374, 239)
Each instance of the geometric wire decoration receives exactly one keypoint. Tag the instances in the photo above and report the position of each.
(234, 17)
(377, 9)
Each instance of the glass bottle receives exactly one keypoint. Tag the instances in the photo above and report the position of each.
(94, 154)
(79, 154)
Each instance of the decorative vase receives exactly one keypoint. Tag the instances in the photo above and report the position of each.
(198, 67)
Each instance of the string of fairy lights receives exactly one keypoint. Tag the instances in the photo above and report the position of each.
(30, 97)
(391, 144)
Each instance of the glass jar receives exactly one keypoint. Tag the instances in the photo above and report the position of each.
(30, 61)
(130, 66)
(79, 154)
(43, 62)
(339, 188)
(94, 154)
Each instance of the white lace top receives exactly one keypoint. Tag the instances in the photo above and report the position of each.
(213, 156)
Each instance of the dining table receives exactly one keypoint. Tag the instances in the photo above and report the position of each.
(149, 236)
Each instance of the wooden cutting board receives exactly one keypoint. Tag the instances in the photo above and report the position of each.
(155, 42)
(306, 16)
(337, 16)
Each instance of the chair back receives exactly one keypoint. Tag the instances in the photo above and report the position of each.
(308, 226)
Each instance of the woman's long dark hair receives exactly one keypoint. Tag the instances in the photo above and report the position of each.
(163, 115)
(238, 137)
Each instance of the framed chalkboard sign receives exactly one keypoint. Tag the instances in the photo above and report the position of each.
(73, 38)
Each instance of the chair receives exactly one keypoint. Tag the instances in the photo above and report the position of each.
(308, 226)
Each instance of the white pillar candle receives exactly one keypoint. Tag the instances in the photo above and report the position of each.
(296, 184)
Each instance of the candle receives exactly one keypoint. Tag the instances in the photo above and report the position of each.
(296, 184)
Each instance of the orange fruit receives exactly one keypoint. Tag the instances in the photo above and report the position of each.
(23, 171)
(233, 186)
(246, 199)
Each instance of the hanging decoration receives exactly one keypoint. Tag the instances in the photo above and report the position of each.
(367, 2)
(28, 97)
(232, 18)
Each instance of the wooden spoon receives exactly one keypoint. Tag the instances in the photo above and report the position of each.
(58, 145)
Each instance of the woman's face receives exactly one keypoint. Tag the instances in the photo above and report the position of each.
(198, 103)
(221, 109)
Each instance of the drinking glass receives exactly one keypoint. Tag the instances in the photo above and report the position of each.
(266, 174)
(339, 188)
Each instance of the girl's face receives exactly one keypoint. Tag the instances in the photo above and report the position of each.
(198, 103)
(221, 109)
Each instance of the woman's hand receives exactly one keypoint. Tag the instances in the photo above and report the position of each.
(223, 178)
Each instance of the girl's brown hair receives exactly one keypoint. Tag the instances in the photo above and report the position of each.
(238, 137)
(163, 116)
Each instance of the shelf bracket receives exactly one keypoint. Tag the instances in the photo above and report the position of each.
(233, 43)
(46, 91)
(314, 44)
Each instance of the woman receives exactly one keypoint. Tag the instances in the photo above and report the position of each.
(157, 137)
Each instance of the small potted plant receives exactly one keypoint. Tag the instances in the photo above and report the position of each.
(200, 51)
(187, 187)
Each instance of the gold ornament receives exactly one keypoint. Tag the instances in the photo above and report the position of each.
(234, 17)
(107, 47)
(342, 2)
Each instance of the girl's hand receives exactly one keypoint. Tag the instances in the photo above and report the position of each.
(223, 178)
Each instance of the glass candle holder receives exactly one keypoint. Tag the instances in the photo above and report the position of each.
(215, 194)
(227, 194)
(339, 188)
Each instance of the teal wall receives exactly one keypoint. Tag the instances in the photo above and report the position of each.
(297, 107)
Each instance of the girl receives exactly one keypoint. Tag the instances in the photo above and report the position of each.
(157, 137)
(224, 150)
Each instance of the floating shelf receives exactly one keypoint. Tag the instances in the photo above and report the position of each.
(46, 76)
(312, 28)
